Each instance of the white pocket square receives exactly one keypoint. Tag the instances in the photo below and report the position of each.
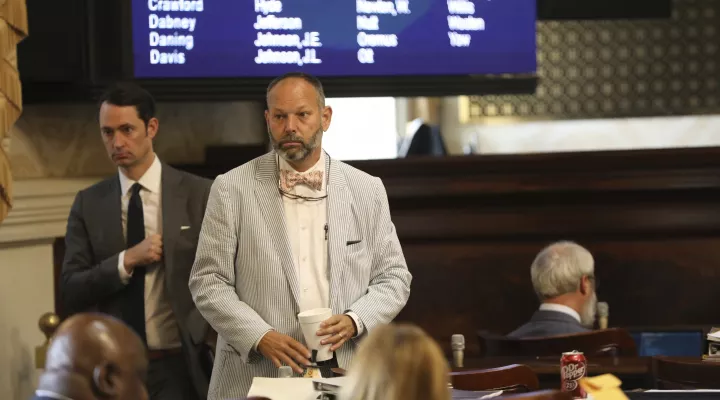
(184, 227)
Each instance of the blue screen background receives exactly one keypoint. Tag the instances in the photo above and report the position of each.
(224, 40)
(680, 344)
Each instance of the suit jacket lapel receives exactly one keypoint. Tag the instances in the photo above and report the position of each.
(271, 205)
(115, 238)
(173, 199)
(340, 218)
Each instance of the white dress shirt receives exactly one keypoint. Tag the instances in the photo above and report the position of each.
(306, 231)
(306, 222)
(52, 395)
(560, 308)
(160, 326)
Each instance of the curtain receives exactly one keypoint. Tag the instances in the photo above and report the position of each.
(13, 29)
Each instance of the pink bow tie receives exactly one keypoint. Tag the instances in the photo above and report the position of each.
(289, 179)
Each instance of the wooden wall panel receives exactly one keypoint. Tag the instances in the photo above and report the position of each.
(464, 287)
(471, 226)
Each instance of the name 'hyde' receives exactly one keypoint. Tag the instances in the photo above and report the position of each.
(268, 6)
(168, 22)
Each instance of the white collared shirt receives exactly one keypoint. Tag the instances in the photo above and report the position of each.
(561, 309)
(160, 325)
(306, 222)
(306, 231)
(52, 395)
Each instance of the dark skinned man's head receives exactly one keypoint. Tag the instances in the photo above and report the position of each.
(95, 356)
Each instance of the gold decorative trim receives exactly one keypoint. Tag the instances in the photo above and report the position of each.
(13, 29)
(5, 185)
(464, 115)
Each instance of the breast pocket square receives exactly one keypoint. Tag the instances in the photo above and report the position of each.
(184, 227)
(349, 242)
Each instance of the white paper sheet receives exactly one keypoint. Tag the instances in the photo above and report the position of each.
(289, 388)
(283, 388)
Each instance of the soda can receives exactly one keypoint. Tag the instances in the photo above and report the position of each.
(573, 367)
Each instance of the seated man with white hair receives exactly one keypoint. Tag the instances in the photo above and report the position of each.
(563, 275)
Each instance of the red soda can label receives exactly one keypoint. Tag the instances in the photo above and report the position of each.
(573, 367)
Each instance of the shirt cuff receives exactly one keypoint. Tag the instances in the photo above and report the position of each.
(124, 276)
(357, 321)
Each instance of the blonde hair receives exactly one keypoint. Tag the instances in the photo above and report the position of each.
(398, 362)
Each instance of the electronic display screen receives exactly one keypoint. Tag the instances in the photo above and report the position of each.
(332, 38)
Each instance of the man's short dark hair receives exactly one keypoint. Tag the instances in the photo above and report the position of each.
(130, 94)
(315, 82)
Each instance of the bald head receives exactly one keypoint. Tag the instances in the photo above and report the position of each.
(299, 81)
(95, 356)
(296, 118)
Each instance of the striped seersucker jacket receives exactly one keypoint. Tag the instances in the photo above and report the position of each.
(244, 282)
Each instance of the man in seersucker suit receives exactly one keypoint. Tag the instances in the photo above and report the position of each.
(290, 231)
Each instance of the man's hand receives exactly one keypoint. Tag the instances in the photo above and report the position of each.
(340, 327)
(281, 349)
(144, 253)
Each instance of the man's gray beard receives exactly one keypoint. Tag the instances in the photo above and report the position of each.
(298, 154)
(587, 318)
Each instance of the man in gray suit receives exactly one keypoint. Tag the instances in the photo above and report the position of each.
(131, 242)
(291, 231)
(563, 275)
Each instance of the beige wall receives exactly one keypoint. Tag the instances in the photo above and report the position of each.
(39, 216)
(514, 135)
(61, 141)
(54, 152)
(26, 292)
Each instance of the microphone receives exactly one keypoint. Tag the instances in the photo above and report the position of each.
(603, 310)
(458, 346)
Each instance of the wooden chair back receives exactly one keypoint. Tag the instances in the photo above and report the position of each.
(612, 342)
(512, 378)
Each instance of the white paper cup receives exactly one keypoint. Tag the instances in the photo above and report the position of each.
(310, 321)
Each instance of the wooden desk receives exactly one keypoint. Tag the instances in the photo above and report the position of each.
(634, 372)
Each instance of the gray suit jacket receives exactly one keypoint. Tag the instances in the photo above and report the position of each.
(548, 323)
(94, 239)
(244, 280)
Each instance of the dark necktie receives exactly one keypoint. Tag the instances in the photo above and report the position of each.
(134, 305)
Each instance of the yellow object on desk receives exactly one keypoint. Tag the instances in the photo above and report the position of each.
(603, 387)
(312, 372)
